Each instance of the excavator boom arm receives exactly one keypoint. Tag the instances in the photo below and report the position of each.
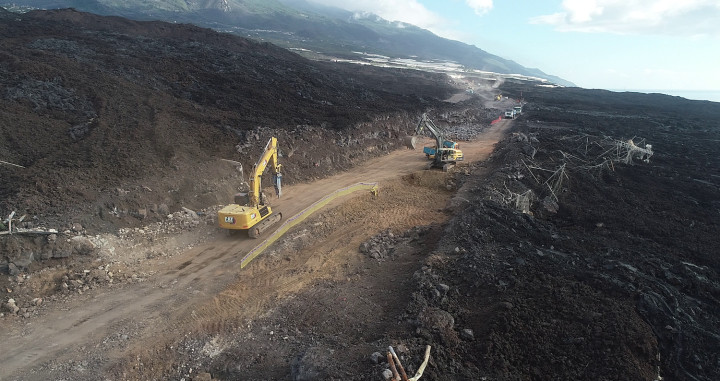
(426, 122)
(269, 157)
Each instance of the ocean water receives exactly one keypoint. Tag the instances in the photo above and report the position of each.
(699, 95)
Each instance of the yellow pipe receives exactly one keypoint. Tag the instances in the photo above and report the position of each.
(298, 218)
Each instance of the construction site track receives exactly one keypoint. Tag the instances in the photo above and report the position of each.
(198, 287)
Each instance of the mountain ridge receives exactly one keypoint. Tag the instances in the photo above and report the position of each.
(300, 24)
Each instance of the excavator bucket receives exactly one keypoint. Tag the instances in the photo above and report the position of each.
(411, 142)
(277, 179)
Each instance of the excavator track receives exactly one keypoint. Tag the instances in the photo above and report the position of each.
(257, 230)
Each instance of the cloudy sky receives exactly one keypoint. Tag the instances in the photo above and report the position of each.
(607, 44)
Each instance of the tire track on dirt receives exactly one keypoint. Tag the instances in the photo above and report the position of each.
(289, 271)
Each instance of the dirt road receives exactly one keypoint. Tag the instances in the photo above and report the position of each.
(177, 285)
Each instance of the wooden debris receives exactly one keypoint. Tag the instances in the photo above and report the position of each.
(9, 220)
(399, 365)
(15, 230)
(393, 369)
(12, 164)
(394, 363)
(420, 370)
(593, 155)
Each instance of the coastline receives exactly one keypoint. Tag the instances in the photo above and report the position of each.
(697, 95)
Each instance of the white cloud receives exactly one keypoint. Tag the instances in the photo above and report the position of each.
(409, 11)
(480, 7)
(661, 17)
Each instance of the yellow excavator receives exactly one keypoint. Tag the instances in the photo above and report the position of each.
(251, 211)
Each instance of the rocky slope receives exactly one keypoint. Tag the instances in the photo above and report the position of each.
(125, 113)
(578, 260)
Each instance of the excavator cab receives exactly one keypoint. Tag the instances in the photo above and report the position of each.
(241, 198)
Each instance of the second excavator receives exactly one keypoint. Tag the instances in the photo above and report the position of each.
(444, 153)
(251, 210)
